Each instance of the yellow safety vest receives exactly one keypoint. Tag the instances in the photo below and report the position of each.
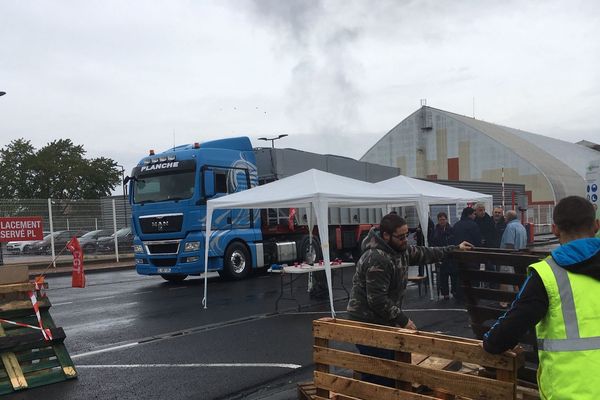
(569, 335)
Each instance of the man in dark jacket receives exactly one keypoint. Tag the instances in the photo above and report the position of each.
(379, 283)
(442, 236)
(486, 226)
(466, 229)
(499, 225)
(560, 298)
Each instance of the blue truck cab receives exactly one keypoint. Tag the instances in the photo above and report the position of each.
(168, 194)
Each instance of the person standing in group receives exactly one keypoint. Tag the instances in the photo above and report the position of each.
(499, 225)
(442, 236)
(515, 235)
(486, 226)
(466, 229)
(379, 283)
(560, 298)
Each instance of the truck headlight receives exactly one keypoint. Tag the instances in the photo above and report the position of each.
(192, 246)
(138, 248)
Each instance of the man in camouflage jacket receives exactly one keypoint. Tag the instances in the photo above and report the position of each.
(380, 281)
(381, 273)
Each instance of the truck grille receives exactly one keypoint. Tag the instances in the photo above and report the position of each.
(163, 247)
(161, 223)
(164, 262)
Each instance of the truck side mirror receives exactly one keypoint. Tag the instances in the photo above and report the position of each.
(209, 183)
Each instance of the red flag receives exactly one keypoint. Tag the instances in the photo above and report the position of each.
(291, 219)
(78, 277)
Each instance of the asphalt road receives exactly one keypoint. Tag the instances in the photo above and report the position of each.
(136, 337)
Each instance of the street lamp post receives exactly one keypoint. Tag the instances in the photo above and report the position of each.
(272, 140)
(124, 187)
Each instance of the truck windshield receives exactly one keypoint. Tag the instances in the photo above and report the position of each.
(164, 187)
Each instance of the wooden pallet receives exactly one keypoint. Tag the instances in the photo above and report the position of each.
(425, 362)
(29, 360)
(486, 292)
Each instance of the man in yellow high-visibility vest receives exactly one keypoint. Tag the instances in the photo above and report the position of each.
(561, 297)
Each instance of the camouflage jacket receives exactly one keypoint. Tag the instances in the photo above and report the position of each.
(380, 280)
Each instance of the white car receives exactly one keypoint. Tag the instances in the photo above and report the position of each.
(21, 247)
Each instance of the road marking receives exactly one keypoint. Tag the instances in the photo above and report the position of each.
(89, 353)
(207, 365)
(146, 291)
(176, 334)
(62, 304)
(102, 298)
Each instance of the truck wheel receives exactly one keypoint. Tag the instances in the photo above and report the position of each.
(174, 278)
(236, 262)
(306, 255)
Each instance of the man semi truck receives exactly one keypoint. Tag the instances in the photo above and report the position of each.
(168, 195)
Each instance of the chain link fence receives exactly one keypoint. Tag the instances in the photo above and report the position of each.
(63, 219)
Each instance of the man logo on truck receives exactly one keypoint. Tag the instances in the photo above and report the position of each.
(159, 225)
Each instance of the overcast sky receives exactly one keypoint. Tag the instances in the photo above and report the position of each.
(122, 77)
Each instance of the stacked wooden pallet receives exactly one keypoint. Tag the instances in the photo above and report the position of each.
(489, 292)
(426, 366)
(30, 356)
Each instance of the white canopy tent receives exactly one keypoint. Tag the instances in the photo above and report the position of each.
(315, 190)
(431, 193)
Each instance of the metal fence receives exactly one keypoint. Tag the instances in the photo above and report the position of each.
(77, 216)
(63, 214)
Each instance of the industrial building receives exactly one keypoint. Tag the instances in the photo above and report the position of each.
(437, 144)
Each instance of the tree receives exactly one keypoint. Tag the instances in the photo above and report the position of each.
(15, 165)
(58, 170)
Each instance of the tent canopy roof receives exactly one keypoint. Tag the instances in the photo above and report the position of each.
(304, 188)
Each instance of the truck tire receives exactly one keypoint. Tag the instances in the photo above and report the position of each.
(304, 253)
(236, 262)
(174, 278)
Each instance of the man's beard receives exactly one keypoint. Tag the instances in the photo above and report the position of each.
(400, 248)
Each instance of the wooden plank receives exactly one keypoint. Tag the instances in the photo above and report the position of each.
(528, 393)
(19, 287)
(65, 360)
(405, 341)
(392, 329)
(493, 294)
(491, 276)
(39, 366)
(480, 314)
(406, 358)
(452, 382)
(13, 369)
(363, 390)
(35, 355)
(35, 337)
(53, 376)
(6, 388)
(20, 305)
(320, 367)
(441, 364)
(497, 257)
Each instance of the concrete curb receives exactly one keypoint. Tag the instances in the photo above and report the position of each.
(66, 271)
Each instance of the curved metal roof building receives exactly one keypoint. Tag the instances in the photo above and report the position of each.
(433, 143)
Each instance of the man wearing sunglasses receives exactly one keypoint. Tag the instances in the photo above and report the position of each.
(379, 283)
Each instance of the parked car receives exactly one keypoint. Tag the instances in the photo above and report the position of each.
(88, 241)
(124, 238)
(22, 247)
(60, 240)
